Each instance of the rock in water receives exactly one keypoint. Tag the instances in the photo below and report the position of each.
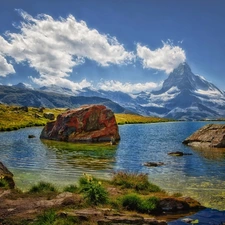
(211, 135)
(89, 123)
(7, 176)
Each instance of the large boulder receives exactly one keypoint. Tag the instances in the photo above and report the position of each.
(89, 123)
(6, 175)
(211, 135)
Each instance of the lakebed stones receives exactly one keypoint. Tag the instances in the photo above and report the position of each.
(88, 123)
(211, 135)
(6, 175)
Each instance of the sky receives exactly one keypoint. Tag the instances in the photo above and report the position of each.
(117, 45)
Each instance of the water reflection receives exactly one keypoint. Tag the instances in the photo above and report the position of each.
(214, 154)
(99, 156)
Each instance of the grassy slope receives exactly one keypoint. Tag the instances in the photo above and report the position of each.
(13, 118)
(130, 119)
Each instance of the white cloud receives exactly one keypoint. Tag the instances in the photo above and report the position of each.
(53, 47)
(113, 85)
(5, 67)
(61, 82)
(166, 58)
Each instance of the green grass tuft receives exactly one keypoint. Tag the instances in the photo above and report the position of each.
(42, 187)
(71, 188)
(139, 182)
(134, 202)
(3, 183)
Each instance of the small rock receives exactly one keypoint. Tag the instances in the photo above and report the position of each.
(187, 220)
(178, 153)
(41, 110)
(31, 136)
(24, 108)
(153, 164)
(49, 116)
(36, 115)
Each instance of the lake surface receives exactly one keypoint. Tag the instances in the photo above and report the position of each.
(200, 175)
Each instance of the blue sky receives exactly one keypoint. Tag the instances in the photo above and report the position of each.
(126, 45)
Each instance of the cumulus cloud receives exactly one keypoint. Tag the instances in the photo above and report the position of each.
(62, 82)
(166, 58)
(5, 67)
(53, 47)
(112, 85)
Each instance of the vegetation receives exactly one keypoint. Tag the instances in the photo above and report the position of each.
(135, 203)
(132, 118)
(16, 117)
(43, 187)
(93, 190)
(124, 193)
(3, 183)
(139, 182)
(71, 188)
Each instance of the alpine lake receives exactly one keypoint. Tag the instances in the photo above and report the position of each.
(200, 175)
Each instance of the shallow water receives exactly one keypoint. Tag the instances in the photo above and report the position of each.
(201, 175)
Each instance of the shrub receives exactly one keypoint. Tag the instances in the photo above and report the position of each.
(42, 187)
(149, 205)
(139, 182)
(93, 190)
(71, 188)
(47, 218)
(131, 202)
(3, 183)
(136, 203)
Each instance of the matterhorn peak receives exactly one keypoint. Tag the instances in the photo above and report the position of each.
(183, 68)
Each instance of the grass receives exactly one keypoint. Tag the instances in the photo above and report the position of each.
(43, 187)
(71, 188)
(134, 202)
(132, 119)
(138, 182)
(14, 118)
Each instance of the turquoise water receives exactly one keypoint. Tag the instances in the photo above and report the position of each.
(200, 175)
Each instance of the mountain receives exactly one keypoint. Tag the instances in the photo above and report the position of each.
(21, 95)
(187, 96)
(183, 96)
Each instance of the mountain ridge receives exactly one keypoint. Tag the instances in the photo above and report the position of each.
(183, 96)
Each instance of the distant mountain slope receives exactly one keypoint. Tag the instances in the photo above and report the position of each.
(20, 95)
(187, 96)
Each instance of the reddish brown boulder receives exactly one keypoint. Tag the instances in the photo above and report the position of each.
(89, 123)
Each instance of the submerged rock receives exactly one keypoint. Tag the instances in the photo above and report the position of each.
(153, 164)
(6, 175)
(89, 123)
(211, 135)
(178, 153)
